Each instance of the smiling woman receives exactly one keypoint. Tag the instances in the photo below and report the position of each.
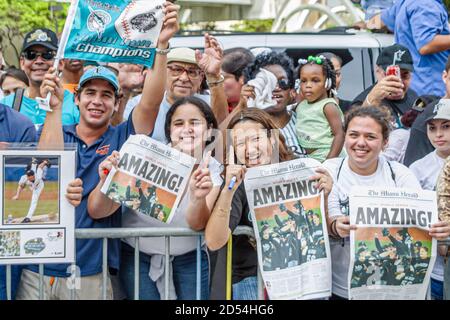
(366, 134)
(254, 142)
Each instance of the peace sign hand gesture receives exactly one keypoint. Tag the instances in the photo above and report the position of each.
(200, 183)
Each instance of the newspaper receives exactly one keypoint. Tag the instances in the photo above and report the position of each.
(151, 177)
(392, 254)
(290, 229)
(37, 221)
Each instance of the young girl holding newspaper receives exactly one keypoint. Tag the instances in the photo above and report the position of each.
(188, 127)
(366, 135)
(252, 144)
(427, 172)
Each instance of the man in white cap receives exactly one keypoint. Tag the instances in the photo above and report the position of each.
(186, 70)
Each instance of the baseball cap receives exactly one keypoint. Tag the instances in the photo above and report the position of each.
(441, 110)
(186, 55)
(398, 55)
(43, 37)
(99, 73)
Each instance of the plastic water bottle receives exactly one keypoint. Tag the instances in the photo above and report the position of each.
(10, 218)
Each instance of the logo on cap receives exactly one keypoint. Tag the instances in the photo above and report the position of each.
(437, 107)
(398, 55)
(39, 35)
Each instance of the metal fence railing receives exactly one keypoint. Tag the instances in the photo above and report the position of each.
(136, 233)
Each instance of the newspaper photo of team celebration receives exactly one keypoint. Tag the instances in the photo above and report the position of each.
(342, 199)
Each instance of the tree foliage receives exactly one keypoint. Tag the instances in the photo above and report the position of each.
(17, 17)
(259, 25)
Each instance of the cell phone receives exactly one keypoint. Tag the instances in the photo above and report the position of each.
(393, 70)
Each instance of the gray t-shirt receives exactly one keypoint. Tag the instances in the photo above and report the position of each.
(178, 245)
(158, 131)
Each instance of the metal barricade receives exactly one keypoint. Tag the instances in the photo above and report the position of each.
(115, 233)
(136, 233)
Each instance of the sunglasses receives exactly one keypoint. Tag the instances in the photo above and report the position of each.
(33, 55)
(284, 84)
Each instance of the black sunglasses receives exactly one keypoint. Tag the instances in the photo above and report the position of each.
(32, 55)
(284, 84)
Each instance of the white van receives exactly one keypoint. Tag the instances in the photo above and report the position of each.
(358, 49)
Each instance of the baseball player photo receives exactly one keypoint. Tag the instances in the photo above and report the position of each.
(31, 190)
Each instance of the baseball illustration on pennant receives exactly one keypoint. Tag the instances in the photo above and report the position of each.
(141, 20)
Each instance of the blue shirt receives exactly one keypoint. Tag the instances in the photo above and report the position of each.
(30, 108)
(89, 251)
(14, 127)
(373, 7)
(415, 23)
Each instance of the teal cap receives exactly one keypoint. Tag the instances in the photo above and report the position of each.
(100, 73)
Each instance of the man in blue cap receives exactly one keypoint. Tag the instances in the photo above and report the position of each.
(97, 97)
(37, 56)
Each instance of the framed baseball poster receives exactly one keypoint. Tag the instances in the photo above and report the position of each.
(37, 222)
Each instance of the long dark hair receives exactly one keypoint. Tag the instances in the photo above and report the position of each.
(201, 105)
(263, 118)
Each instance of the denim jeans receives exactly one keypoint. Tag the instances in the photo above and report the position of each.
(436, 289)
(16, 271)
(447, 281)
(184, 275)
(246, 289)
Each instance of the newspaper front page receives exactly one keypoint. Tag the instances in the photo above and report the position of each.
(392, 254)
(290, 228)
(37, 221)
(150, 178)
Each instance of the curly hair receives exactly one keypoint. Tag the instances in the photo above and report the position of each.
(268, 59)
(328, 72)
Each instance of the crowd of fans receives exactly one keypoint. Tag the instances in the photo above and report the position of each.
(401, 121)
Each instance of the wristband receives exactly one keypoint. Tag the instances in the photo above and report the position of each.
(215, 83)
(333, 229)
(163, 52)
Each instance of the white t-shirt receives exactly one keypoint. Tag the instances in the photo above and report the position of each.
(396, 148)
(178, 245)
(427, 171)
(338, 205)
